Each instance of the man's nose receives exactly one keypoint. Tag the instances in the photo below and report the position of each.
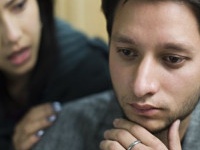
(146, 81)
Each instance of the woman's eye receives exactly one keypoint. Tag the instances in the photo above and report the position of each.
(19, 6)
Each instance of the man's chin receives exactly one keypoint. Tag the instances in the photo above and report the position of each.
(159, 130)
(154, 126)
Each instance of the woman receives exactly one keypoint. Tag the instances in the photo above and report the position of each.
(42, 60)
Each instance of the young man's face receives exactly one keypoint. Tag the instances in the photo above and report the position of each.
(155, 62)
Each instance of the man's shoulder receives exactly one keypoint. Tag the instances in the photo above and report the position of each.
(191, 139)
(91, 103)
(63, 27)
(92, 111)
(90, 116)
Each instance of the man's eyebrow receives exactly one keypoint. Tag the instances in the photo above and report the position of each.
(174, 45)
(123, 39)
(177, 46)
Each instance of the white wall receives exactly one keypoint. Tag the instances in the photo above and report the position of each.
(85, 15)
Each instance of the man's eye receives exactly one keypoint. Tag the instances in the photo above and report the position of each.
(173, 59)
(127, 52)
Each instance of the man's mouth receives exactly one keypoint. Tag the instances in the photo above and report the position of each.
(144, 109)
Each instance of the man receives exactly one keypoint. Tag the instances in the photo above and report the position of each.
(155, 71)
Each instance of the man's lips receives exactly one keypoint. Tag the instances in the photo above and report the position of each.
(144, 109)
(142, 106)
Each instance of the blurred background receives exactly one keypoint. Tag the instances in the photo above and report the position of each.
(85, 15)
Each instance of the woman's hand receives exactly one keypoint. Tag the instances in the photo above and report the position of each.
(30, 129)
(127, 132)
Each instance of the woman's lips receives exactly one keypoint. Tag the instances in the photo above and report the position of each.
(20, 57)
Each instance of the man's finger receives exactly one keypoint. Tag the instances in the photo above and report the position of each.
(174, 138)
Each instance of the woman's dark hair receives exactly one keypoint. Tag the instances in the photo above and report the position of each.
(109, 8)
(46, 58)
(47, 51)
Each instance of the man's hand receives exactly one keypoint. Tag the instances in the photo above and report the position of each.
(127, 132)
(29, 130)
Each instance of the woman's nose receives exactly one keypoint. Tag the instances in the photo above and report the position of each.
(11, 31)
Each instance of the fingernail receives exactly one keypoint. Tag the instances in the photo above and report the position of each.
(40, 133)
(116, 121)
(178, 123)
(52, 118)
(56, 106)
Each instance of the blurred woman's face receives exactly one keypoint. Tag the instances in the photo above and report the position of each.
(20, 29)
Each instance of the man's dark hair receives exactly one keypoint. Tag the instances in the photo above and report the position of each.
(109, 8)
